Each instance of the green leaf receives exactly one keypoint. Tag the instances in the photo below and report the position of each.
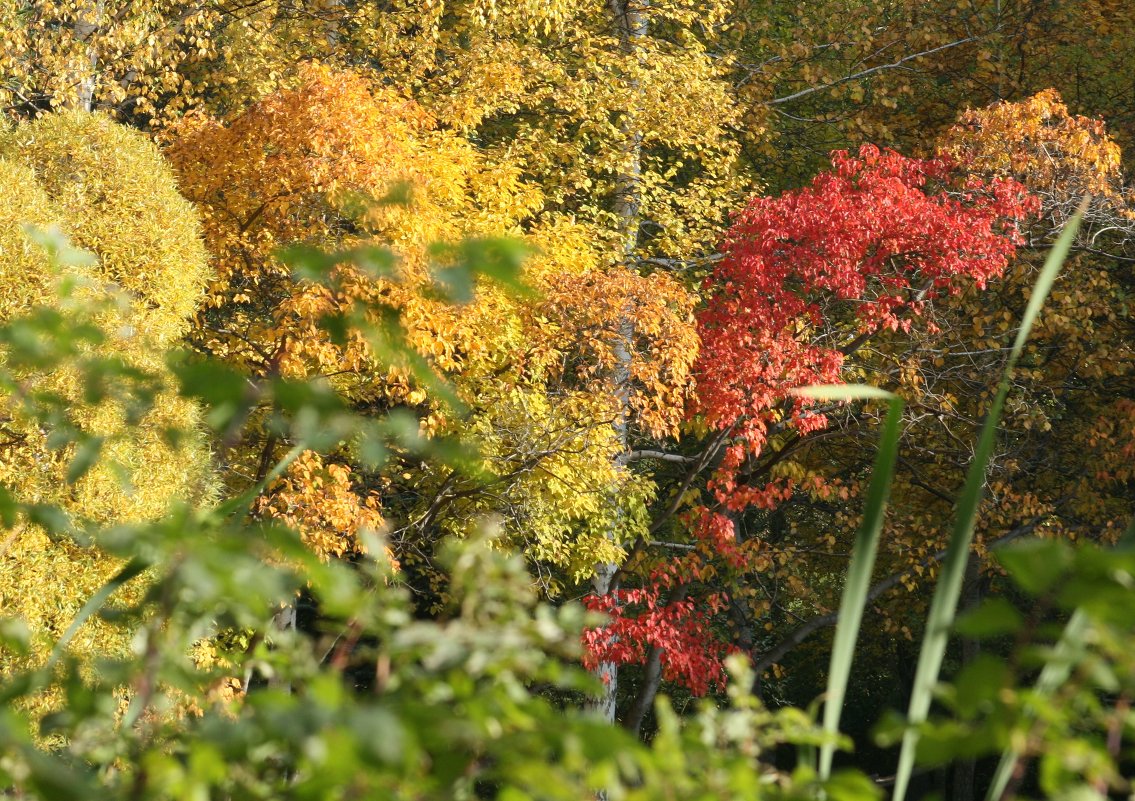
(1055, 672)
(223, 389)
(86, 455)
(460, 264)
(850, 785)
(1035, 565)
(993, 618)
(52, 519)
(372, 450)
(58, 247)
(979, 683)
(9, 508)
(316, 265)
(15, 635)
(54, 779)
(951, 740)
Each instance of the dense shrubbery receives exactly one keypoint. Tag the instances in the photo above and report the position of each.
(212, 700)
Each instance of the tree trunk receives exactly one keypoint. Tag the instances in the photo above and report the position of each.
(286, 619)
(606, 672)
(85, 29)
(652, 678)
(630, 25)
(333, 23)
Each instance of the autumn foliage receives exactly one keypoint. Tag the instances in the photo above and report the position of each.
(808, 274)
(110, 191)
(700, 206)
(642, 619)
(806, 279)
(318, 501)
(1058, 155)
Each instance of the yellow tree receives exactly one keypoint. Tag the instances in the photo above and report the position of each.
(110, 191)
(118, 55)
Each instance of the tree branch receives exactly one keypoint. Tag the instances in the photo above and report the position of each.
(864, 73)
(802, 633)
(662, 456)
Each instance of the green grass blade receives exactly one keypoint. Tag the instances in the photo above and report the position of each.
(1054, 674)
(858, 583)
(843, 392)
(944, 604)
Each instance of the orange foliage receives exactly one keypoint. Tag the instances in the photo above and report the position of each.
(294, 167)
(1059, 156)
(659, 335)
(302, 166)
(318, 500)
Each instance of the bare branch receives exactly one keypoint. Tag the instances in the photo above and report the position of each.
(801, 633)
(872, 70)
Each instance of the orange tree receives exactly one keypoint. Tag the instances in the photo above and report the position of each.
(528, 382)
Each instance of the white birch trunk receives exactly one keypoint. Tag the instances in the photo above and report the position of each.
(631, 25)
(85, 29)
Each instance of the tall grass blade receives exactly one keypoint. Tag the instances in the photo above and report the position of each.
(858, 583)
(1054, 674)
(843, 392)
(944, 604)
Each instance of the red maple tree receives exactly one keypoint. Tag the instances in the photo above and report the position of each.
(806, 278)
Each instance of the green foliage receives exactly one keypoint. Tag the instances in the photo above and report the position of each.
(1060, 701)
